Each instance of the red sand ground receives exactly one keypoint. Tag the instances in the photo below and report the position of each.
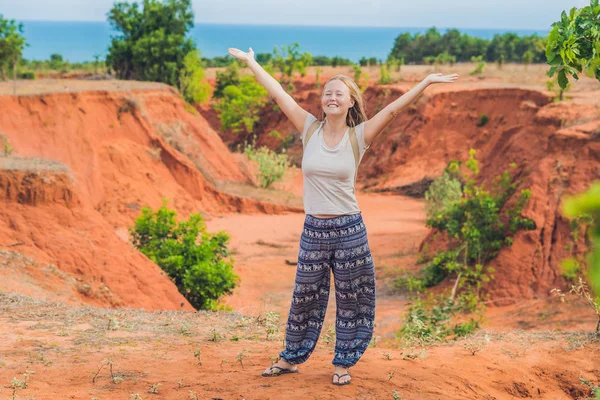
(63, 237)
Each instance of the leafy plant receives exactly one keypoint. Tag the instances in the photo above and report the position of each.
(587, 206)
(574, 44)
(271, 165)
(12, 43)
(191, 79)
(480, 65)
(241, 104)
(483, 119)
(198, 262)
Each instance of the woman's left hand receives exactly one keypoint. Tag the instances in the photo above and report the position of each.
(439, 78)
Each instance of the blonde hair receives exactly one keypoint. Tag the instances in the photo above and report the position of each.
(356, 114)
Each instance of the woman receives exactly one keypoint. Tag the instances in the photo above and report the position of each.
(334, 235)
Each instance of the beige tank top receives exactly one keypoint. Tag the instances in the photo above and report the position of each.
(329, 172)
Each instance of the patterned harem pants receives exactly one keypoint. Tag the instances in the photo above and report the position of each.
(339, 244)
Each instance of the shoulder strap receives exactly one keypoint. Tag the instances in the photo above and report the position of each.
(354, 143)
(311, 129)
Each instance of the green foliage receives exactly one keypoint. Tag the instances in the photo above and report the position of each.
(229, 77)
(12, 43)
(241, 104)
(557, 91)
(480, 65)
(414, 48)
(198, 262)
(27, 75)
(357, 72)
(478, 231)
(587, 205)
(571, 269)
(443, 191)
(384, 74)
(271, 166)
(152, 43)
(191, 77)
(483, 119)
(500, 61)
(367, 62)
(528, 57)
(318, 77)
(289, 59)
(574, 43)
(428, 323)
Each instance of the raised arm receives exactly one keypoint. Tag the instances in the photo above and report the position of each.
(375, 125)
(295, 113)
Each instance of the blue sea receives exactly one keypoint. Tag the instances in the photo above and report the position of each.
(80, 41)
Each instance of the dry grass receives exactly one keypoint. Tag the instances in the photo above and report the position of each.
(16, 163)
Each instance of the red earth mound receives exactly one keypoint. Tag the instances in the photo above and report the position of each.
(113, 153)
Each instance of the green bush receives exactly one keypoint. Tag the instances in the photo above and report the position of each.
(229, 77)
(483, 119)
(271, 166)
(444, 191)
(27, 75)
(427, 324)
(384, 74)
(240, 105)
(198, 262)
(480, 65)
(191, 79)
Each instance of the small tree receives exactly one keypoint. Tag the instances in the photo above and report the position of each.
(528, 58)
(288, 60)
(574, 43)
(241, 104)
(191, 84)
(271, 166)
(443, 192)
(480, 65)
(229, 77)
(198, 262)
(12, 43)
(152, 43)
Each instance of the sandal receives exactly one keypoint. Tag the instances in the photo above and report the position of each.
(281, 371)
(339, 377)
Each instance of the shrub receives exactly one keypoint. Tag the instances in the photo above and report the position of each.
(480, 65)
(240, 105)
(195, 260)
(271, 166)
(444, 191)
(483, 119)
(191, 77)
(27, 75)
(229, 77)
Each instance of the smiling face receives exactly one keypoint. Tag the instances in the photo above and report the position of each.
(336, 98)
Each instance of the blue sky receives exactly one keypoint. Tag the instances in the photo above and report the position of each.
(491, 14)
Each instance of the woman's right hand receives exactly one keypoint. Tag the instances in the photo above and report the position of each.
(242, 55)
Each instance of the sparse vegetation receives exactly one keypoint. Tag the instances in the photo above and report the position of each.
(479, 65)
(477, 233)
(271, 165)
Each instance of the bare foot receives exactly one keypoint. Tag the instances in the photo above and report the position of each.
(279, 368)
(341, 376)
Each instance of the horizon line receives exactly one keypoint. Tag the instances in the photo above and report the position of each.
(312, 25)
